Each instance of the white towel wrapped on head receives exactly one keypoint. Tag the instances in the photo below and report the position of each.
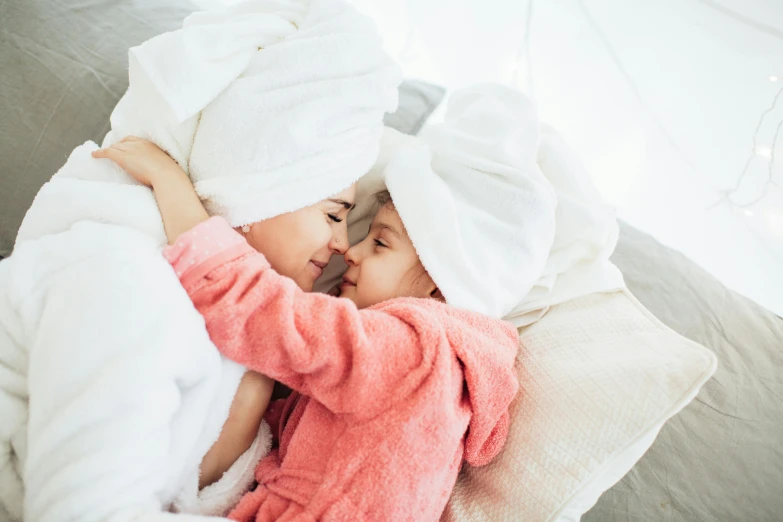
(270, 105)
(477, 195)
(501, 250)
(586, 234)
(473, 201)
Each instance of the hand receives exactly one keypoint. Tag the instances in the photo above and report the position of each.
(178, 202)
(140, 158)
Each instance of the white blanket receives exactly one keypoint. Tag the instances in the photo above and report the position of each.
(127, 392)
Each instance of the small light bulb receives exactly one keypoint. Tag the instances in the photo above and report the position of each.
(748, 212)
(776, 223)
(773, 78)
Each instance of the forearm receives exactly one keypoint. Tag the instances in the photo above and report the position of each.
(319, 345)
(240, 429)
(178, 202)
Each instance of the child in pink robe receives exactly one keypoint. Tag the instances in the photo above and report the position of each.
(393, 388)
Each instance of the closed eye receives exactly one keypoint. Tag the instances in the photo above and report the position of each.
(335, 218)
(379, 244)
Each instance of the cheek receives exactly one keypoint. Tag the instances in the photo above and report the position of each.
(289, 241)
(379, 280)
(307, 233)
(414, 282)
(313, 232)
(409, 288)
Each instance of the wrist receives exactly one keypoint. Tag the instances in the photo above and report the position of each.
(168, 175)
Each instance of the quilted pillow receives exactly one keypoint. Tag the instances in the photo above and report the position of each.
(598, 377)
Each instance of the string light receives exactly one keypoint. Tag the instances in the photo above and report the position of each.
(768, 152)
(764, 152)
(726, 196)
(524, 55)
(776, 223)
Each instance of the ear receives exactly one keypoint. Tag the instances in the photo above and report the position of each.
(436, 294)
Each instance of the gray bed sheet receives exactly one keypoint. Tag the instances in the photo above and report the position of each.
(63, 67)
(721, 458)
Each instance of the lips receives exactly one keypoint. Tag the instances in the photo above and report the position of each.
(347, 282)
(317, 268)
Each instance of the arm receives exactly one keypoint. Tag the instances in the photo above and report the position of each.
(180, 207)
(319, 345)
(322, 346)
(240, 429)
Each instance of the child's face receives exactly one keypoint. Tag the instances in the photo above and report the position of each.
(385, 265)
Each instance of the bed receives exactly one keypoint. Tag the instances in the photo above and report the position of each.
(63, 67)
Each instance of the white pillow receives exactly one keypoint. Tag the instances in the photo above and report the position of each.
(599, 376)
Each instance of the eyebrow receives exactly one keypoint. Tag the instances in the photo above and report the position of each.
(345, 204)
(386, 226)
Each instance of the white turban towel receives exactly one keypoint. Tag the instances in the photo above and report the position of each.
(269, 105)
(478, 210)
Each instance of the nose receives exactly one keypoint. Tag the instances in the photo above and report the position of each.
(339, 243)
(352, 255)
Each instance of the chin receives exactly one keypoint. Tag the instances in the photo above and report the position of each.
(349, 294)
(305, 283)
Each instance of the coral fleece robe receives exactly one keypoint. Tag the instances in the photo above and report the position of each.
(387, 403)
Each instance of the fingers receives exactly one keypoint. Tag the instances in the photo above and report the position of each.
(101, 153)
(124, 146)
(120, 146)
(127, 145)
(132, 141)
(112, 153)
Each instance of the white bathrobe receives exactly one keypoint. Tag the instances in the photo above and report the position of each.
(128, 392)
(111, 392)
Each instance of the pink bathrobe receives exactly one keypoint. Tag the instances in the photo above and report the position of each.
(388, 401)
